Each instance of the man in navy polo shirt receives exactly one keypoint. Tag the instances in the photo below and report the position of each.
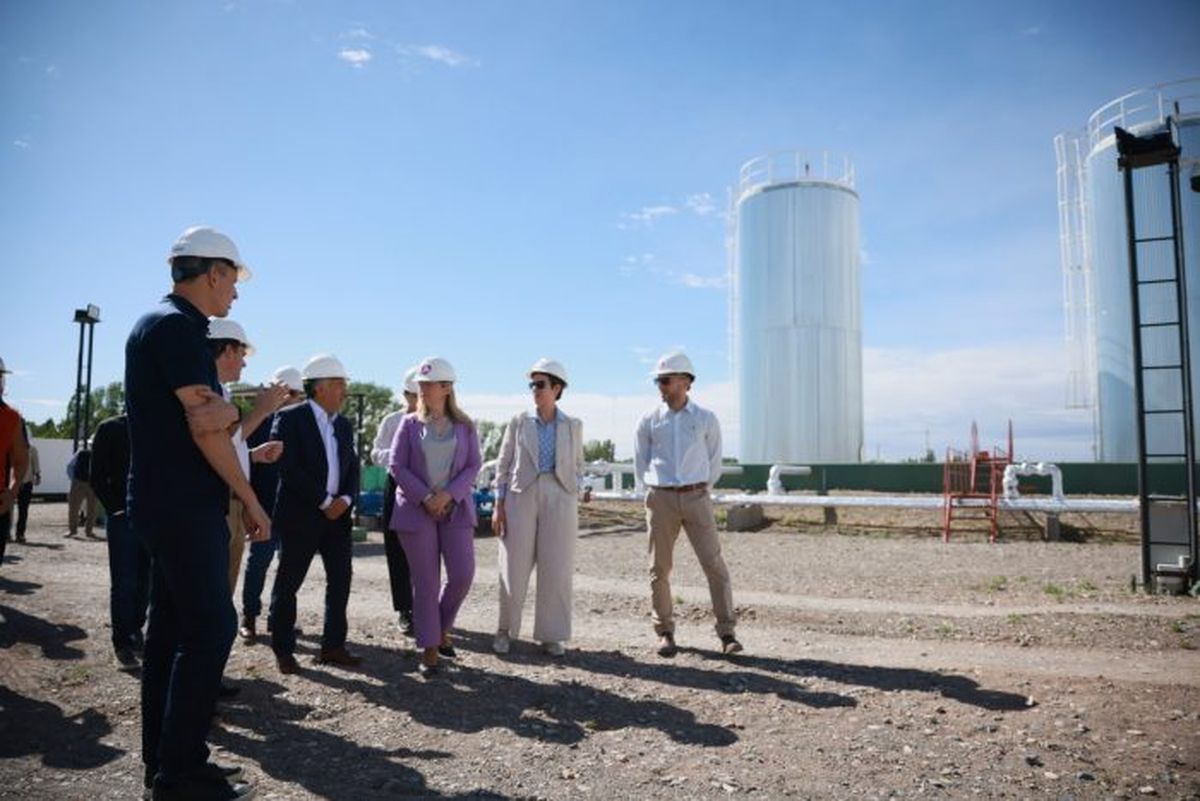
(182, 467)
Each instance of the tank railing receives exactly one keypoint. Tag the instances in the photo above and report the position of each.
(795, 165)
(1150, 105)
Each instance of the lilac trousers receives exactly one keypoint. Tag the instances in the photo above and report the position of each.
(435, 605)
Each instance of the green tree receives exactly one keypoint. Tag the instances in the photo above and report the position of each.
(490, 436)
(106, 401)
(595, 450)
(377, 403)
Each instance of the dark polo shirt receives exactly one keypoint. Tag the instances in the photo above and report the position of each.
(169, 477)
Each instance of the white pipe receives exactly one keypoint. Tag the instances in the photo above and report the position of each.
(778, 471)
(1011, 490)
(618, 469)
(1095, 505)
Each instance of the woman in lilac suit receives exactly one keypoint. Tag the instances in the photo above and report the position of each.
(435, 459)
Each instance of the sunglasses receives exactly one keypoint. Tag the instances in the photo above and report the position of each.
(538, 384)
(663, 380)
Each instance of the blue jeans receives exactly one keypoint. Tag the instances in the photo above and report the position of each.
(261, 554)
(129, 572)
(192, 626)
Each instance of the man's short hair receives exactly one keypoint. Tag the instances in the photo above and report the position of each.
(189, 268)
(559, 384)
(217, 347)
(310, 387)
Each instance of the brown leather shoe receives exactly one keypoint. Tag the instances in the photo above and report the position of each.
(248, 630)
(287, 664)
(338, 656)
(666, 645)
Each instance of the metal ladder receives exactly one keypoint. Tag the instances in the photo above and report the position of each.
(1158, 294)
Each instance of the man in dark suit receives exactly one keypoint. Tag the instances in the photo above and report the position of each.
(318, 484)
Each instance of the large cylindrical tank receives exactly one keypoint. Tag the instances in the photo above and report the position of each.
(1105, 251)
(797, 310)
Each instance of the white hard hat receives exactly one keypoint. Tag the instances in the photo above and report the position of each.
(209, 243)
(410, 381)
(224, 328)
(324, 365)
(549, 367)
(289, 377)
(435, 368)
(675, 362)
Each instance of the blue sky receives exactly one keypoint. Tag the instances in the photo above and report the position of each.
(495, 181)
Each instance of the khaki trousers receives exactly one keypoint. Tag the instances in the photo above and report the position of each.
(237, 541)
(542, 527)
(81, 498)
(666, 512)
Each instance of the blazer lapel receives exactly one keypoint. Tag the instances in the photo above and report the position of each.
(315, 429)
(529, 438)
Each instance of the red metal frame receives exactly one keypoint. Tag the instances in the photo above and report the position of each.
(974, 476)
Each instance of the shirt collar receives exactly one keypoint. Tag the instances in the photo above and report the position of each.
(322, 415)
(558, 416)
(687, 407)
(188, 308)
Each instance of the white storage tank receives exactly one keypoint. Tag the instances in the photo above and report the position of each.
(796, 310)
(1095, 256)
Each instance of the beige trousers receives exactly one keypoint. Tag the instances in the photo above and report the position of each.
(80, 497)
(542, 526)
(666, 512)
(237, 541)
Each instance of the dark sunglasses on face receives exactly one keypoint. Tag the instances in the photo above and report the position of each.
(537, 384)
(663, 380)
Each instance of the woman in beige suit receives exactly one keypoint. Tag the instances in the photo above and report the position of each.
(537, 512)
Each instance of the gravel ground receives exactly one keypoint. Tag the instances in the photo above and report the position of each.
(880, 663)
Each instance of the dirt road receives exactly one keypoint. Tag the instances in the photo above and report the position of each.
(879, 665)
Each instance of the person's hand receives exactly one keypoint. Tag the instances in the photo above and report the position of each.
(268, 452)
(270, 398)
(256, 522)
(587, 495)
(214, 414)
(499, 520)
(445, 503)
(336, 509)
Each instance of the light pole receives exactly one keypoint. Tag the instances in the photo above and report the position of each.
(87, 319)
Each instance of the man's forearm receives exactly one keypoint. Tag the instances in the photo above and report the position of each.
(219, 453)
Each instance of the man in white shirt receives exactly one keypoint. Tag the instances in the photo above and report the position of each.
(397, 562)
(677, 456)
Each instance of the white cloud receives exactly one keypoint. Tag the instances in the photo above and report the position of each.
(358, 32)
(645, 217)
(908, 392)
(23, 144)
(355, 56)
(1032, 30)
(440, 54)
(693, 281)
(702, 204)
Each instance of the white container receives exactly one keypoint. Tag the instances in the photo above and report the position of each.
(797, 310)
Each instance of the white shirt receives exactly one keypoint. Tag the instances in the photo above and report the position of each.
(239, 442)
(674, 449)
(325, 426)
(381, 452)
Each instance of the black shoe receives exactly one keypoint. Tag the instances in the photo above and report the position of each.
(730, 645)
(406, 624)
(447, 651)
(228, 691)
(203, 787)
(227, 774)
(666, 645)
(126, 660)
(428, 671)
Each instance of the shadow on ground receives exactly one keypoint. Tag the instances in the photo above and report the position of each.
(29, 727)
(52, 638)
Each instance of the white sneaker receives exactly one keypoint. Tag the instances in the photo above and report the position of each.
(501, 643)
(554, 648)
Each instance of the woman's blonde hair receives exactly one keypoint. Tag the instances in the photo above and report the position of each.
(455, 414)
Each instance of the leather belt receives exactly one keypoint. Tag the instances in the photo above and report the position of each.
(684, 487)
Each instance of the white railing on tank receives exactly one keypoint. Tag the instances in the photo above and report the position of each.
(795, 165)
(1149, 105)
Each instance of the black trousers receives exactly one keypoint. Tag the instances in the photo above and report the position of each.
(23, 499)
(297, 547)
(397, 562)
